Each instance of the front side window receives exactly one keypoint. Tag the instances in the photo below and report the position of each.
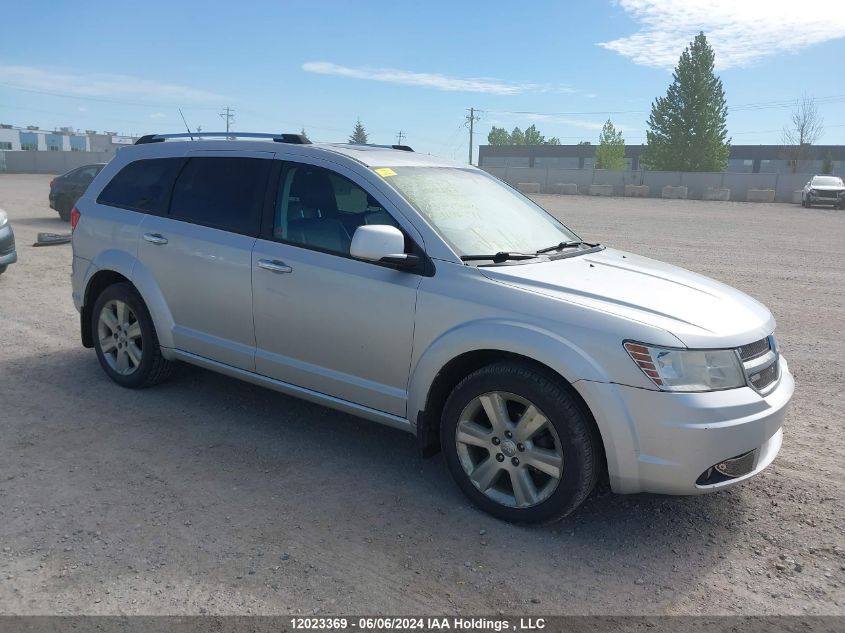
(321, 209)
(224, 193)
(143, 185)
(476, 213)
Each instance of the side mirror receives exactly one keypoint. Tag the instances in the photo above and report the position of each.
(381, 243)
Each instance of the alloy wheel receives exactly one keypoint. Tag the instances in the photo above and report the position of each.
(509, 449)
(119, 334)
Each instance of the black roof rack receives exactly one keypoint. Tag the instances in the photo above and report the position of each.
(403, 148)
(295, 139)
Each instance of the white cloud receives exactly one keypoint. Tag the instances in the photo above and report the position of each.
(426, 80)
(740, 31)
(158, 115)
(82, 109)
(104, 86)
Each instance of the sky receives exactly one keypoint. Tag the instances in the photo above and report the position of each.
(414, 67)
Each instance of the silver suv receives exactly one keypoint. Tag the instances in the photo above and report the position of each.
(431, 297)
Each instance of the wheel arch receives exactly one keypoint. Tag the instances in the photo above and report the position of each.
(428, 406)
(112, 267)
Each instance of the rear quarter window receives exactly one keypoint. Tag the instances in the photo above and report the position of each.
(143, 185)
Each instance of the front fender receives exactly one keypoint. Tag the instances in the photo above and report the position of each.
(562, 355)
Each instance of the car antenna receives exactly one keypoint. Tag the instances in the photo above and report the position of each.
(186, 124)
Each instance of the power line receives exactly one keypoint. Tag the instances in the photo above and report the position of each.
(399, 136)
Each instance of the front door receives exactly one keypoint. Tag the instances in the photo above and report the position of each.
(323, 320)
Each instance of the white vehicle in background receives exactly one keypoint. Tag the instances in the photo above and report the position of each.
(824, 190)
(427, 295)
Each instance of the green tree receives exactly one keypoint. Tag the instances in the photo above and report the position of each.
(517, 137)
(533, 136)
(827, 164)
(553, 141)
(359, 134)
(687, 127)
(584, 143)
(610, 154)
(499, 136)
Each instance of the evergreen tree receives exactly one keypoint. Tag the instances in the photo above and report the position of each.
(610, 154)
(359, 134)
(499, 136)
(687, 129)
(517, 137)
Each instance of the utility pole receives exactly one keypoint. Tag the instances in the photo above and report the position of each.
(399, 136)
(472, 117)
(229, 116)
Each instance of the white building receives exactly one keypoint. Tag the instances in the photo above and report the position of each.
(32, 138)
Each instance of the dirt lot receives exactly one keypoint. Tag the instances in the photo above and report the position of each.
(208, 495)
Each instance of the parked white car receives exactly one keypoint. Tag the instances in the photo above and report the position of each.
(824, 190)
(429, 296)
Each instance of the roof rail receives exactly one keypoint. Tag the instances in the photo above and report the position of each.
(296, 139)
(403, 148)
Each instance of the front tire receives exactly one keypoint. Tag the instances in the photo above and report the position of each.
(519, 443)
(125, 339)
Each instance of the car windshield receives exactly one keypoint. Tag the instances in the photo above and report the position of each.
(827, 181)
(476, 213)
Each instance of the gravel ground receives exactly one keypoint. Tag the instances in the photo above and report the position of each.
(208, 495)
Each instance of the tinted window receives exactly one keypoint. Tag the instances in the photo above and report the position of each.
(224, 193)
(143, 185)
(321, 209)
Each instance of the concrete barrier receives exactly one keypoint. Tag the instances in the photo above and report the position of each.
(674, 192)
(716, 193)
(636, 191)
(601, 190)
(761, 195)
(797, 195)
(568, 188)
(528, 187)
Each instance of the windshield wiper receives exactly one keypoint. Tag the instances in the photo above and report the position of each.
(498, 258)
(562, 245)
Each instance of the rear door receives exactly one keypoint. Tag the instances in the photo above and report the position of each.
(200, 252)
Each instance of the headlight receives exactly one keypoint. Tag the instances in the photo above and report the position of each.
(813, 191)
(4, 219)
(688, 370)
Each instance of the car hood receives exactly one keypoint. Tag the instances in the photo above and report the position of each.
(826, 187)
(699, 311)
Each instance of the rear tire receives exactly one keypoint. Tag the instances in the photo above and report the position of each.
(64, 207)
(125, 339)
(534, 458)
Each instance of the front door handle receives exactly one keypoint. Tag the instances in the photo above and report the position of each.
(155, 238)
(274, 265)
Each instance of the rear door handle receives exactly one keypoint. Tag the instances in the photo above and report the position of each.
(274, 265)
(155, 238)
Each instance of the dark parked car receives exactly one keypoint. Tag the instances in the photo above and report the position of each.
(66, 189)
(7, 243)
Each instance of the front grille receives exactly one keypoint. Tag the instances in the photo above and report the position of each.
(827, 194)
(762, 379)
(728, 469)
(760, 362)
(753, 350)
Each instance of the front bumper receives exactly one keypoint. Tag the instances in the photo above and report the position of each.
(817, 199)
(664, 442)
(8, 254)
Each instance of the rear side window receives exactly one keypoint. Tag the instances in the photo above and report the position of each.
(223, 193)
(143, 185)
